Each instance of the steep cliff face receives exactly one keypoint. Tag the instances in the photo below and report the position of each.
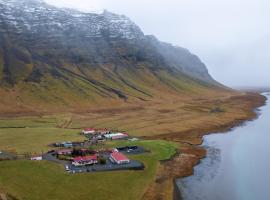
(49, 52)
(182, 60)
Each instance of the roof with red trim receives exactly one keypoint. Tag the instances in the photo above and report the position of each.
(119, 156)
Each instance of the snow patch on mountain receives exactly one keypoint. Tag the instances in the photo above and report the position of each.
(85, 6)
(36, 16)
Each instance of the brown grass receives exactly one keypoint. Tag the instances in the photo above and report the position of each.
(183, 119)
(239, 109)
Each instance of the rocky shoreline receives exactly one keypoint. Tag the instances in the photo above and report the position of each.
(190, 153)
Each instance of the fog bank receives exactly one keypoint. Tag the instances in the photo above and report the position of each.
(230, 36)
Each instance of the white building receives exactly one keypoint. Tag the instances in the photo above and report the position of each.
(36, 158)
(115, 136)
(88, 131)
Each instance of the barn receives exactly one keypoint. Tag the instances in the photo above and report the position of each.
(119, 158)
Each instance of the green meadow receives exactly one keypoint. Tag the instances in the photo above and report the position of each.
(43, 180)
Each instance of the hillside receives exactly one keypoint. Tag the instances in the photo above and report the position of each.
(52, 58)
(62, 70)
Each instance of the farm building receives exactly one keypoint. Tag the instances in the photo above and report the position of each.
(36, 158)
(88, 131)
(119, 158)
(67, 144)
(64, 152)
(86, 160)
(102, 131)
(7, 155)
(82, 152)
(116, 136)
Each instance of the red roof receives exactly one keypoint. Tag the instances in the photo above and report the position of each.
(85, 158)
(77, 159)
(93, 157)
(119, 156)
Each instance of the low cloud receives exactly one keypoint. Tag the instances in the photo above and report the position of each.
(220, 32)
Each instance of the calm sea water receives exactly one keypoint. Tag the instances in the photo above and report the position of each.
(237, 166)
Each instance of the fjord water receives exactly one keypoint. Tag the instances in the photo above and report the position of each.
(237, 166)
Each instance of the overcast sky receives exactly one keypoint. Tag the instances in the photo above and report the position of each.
(230, 36)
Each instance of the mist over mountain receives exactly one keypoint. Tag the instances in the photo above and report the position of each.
(243, 63)
(62, 54)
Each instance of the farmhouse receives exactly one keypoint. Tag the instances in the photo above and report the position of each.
(86, 160)
(88, 131)
(119, 158)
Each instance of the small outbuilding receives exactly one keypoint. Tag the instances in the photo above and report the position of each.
(36, 158)
(67, 144)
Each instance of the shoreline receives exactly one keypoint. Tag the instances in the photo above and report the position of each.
(184, 123)
(190, 152)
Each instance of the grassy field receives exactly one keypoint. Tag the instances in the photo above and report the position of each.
(35, 140)
(155, 119)
(34, 134)
(183, 121)
(45, 180)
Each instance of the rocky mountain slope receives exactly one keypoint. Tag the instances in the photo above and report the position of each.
(61, 56)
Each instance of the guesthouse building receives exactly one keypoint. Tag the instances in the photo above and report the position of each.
(86, 160)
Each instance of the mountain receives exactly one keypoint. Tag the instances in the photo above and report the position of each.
(63, 57)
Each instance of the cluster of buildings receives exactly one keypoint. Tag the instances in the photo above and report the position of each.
(104, 134)
(79, 156)
(84, 157)
(68, 144)
(115, 157)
